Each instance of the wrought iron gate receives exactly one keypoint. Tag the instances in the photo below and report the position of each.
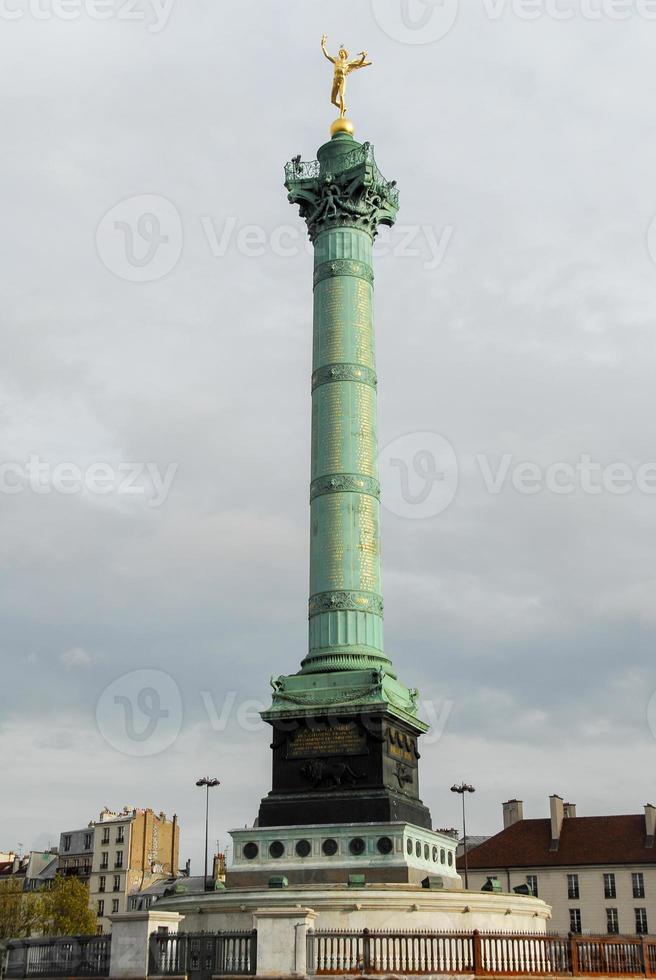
(201, 955)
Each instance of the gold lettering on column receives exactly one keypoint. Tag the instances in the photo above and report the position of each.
(363, 324)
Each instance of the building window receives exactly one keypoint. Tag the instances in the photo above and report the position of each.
(532, 882)
(117, 883)
(118, 863)
(87, 842)
(104, 859)
(573, 886)
(115, 905)
(641, 922)
(101, 907)
(609, 886)
(101, 883)
(638, 883)
(67, 842)
(612, 921)
(575, 920)
(120, 835)
(105, 836)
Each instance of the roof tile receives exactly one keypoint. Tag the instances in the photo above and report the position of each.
(583, 841)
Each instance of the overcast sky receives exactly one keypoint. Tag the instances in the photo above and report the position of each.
(148, 328)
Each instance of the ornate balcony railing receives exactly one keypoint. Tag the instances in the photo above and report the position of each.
(298, 170)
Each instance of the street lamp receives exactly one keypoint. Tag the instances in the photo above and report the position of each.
(207, 782)
(462, 789)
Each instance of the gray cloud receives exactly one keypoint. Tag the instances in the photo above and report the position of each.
(533, 614)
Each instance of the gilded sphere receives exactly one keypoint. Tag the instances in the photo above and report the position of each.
(342, 126)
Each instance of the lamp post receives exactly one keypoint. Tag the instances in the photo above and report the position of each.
(462, 789)
(207, 782)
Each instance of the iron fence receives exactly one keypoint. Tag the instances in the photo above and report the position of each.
(334, 951)
(203, 954)
(67, 956)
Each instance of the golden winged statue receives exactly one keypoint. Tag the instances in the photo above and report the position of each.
(342, 68)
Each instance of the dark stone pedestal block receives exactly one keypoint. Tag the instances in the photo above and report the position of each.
(351, 769)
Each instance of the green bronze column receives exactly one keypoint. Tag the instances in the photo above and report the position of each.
(345, 728)
(343, 198)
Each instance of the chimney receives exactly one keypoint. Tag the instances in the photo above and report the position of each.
(15, 866)
(513, 812)
(569, 809)
(174, 855)
(556, 811)
(650, 824)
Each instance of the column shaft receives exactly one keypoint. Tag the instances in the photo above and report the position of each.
(345, 611)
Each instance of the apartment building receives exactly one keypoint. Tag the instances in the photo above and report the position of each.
(131, 850)
(34, 870)
(597, 873)
(76, 853)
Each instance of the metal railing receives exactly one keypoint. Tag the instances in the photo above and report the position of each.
(299, 170)
(67, 956)
(334, 951)
(220, 953)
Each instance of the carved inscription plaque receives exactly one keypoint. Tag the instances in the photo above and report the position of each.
(341, 739)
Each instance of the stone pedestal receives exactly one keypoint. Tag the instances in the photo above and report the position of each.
(131, 932)
(387, 907)
(282, 940)
(345, 768)
(331, 853)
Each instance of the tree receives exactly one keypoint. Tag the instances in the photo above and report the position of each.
(64, 909)
(19, 910)
(61, 910)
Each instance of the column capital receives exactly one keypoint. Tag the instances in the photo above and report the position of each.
(343, 188)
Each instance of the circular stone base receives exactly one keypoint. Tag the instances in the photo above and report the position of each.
(395, 907)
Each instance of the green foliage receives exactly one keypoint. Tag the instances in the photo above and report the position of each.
(19, 911)
(61, 910)
(64, 909)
